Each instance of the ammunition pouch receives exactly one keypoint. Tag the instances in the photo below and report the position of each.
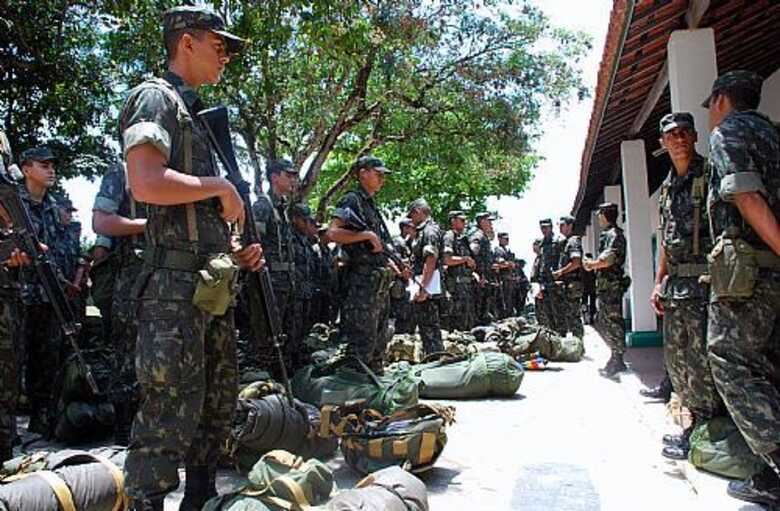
(218, 285)
(734, 268)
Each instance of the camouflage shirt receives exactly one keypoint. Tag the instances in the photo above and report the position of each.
(744, 157)
(504, 254)
(570, 249)
(363, 205)
(305, 267)
(549, 257)
(153, 115)
(677, 225)
(612, 248)
(401, 247)
(426, 243)
(276, 232)
(456, 244)
(114, 198)
(479, 243)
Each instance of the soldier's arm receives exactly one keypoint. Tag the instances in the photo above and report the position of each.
(756, 212)
(114, 224)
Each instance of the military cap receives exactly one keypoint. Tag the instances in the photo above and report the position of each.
(566, 219)
(521, 262)
(405, 222)
(545, 222)
(41, 153)
(302, 210)
(277, 166)
(370, 162)
(740, 79)
(456, 214)
(676, 120)
(503, 234)
(607, 206)
(67, 205)
(201, 18)
(485, 214)
(418, 204)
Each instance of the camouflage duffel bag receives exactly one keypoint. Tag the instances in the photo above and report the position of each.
(339, 384)
(717, 446)
(65, 480)
(412, 438)
(404, 347)
(265, 420)
(557, 348)
(389, 489)
(279, 481)
(478, 376)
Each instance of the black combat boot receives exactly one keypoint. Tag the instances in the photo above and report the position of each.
(200, 486)
(762, 488)
(663, 391)
(680, 440)
(614, 366)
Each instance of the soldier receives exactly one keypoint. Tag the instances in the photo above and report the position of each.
(185, 355)
(459, 273)
(540, 306)
(426, 249)
(568, 278)
(679, 297)
(43, 345)
(305, 277)
(589, 293)
(505, 268)
(610, 286)
(549, 295)
(271, 215)
(479, 244)
(367, 275)
(324, 301)
(744, 310)
(116, 215)
(400, 301)
(522, 287)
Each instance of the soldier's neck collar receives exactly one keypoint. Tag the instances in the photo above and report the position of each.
(187, 93)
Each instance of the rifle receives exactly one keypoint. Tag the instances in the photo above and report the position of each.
(265, 320)
(24, 238)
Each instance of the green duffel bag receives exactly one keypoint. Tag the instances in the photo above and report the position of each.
(717, 446)
(279, 481)
(412, 438)
(329, 385)
(389, 489)
(557, 348)
(478, 376)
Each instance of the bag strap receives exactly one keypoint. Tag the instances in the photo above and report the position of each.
(60, 489)
(698, 191)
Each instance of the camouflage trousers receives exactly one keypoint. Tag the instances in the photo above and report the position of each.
(265, 356)
(610, 321)
(300, 321)
(365, 313)
(744, 353)
(187, 371)
(505, 306)
(520, 298)
(9, 379)
(43, 351)
(401, 312)
(570, 309)
(685, 356)
(427, 318)
(483, 304)
(461, 306)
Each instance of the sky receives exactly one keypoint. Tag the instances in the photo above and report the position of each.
(551, 192)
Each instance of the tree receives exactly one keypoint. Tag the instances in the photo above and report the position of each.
(54, 86)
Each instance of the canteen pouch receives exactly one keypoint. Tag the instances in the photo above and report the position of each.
(217, 286)
(733, 269)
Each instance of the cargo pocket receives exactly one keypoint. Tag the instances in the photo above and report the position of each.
(169, 349)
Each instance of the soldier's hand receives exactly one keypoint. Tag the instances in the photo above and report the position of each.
(232, 209)
(421, 295)
(251, 257)
(655, 300)
(18, 258)
(376, 243)
(470, 262)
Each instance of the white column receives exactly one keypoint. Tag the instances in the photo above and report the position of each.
(589, 242)
(770, 96)
(692, 69)
(638, 232)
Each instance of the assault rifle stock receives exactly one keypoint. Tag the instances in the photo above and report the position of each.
(23, 236)
(265, 320)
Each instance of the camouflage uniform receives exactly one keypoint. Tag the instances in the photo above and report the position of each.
(552, 297)
(521, 291)
(185, 357)
(479, 243)
(744, 334)
(305, 288)
(685, 299)
(543, 315)
(367, 279)
(507, 280)
(43, 347)
(570, 287)
(400, 303)
(459, 282)
(427, 243)
(323, 311)
(610, 287)
(114, 198)
(9, 361)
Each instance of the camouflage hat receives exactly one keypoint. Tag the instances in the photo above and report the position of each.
(41, 153)
(608, 206)
(405, 222)
(545, 222)
(740, 79)
(676, 120)
(485, 214)
(201, 18)
(456, 214)
(277, 166)
(566, 219)
(418, 204)
(370, 162)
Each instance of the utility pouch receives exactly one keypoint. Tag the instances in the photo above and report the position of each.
(733, 269)
(384, 278)
(397, 289)
(217, 286)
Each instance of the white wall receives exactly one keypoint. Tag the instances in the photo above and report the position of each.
(770, 96)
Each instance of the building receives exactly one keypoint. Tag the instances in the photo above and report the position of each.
(662, 56)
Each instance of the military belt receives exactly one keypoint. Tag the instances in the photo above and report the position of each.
(687, 269)
(161, 257)
(463, 279)
(767, 259)
(280, 267)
